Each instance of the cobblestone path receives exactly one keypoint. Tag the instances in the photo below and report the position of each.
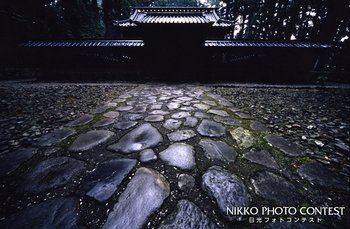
(163, 157)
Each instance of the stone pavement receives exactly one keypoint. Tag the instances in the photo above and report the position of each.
(163, 157)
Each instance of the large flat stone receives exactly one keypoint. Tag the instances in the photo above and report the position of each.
(191, 122)
(261, 157)
(154, 118)
(52, 173)
(225, 189)
(211, 129)
(172, 124)
(181, 114)
(179, 155)
(321, 175)
(104, 122)
(82, 120)
(124, 125)
(144, 194)
(221, 113)
(105, 179)
(227, 121)
(243, 137)
(143, 137)
(55, 213)
(55, 136)
(186, 216)
(181, 135)
(273, 187)
(11, 161)
(90, 139)
(218, 150)
(288, 148)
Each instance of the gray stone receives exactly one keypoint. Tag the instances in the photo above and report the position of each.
(147, 155)
(243, 115)
(191, 122)
(181, 135)
(243, 137)
(154, 118)
(226, 189)
(90, 139)
(12, 160)
(181, 114)
(179, 155)
(321, 175)
(105, 179)
(258, 126)
(273, 187)
(187, 216)
(159, 112)
(124, 125)
(82, 120)
(156, 107)
(173, 105)
(201, 115)
(261, 157)
(144, 194)
(143, 137)
(55, 213)
(185, 98)
(209, 102)
(132, 117)
(52, 173)
(290, 149)
(211, 129)
(227, 121)
(185, 182)
(111, 114)
(100, 109)
(221, 113)
(187, 108)
(124, 108)
(218, 150)
(139, 109)
(201, 106)
(104, 122)
(172, 124)
(55, 136)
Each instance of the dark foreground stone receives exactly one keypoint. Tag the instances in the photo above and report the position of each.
(144, 194)
(225, 189)
(104, 181)
(187, 216)
(272, 187)
(55, 137)
(52, 173)
(11, 161)
(56, 213)
(288, 148)
(321, 175)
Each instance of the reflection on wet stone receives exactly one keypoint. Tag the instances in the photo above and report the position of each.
(105, 179)
(90, 139)
(143, 137)
(143, 196)
(179, 155)
(218, 150)
(211, 129)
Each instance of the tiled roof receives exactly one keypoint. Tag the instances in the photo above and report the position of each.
(174, 15)
(85, 43)
(265, 44)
